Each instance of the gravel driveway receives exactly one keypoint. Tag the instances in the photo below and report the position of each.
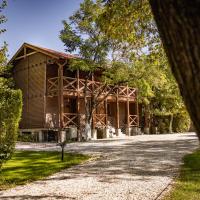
(137, 168)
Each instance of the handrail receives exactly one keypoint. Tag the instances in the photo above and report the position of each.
(133, 120)
(71, 84)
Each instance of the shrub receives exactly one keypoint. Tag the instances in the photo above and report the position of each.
(160, 124)
(26, 138)
(181, 122)
(10, 113)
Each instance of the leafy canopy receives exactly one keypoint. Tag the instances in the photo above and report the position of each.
(10, 103)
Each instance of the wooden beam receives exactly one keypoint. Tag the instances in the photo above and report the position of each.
(28, 97)
(117, 111)
(60, 95)
(78, 107)
(38, 49)
(24, 52)
(137, 108)
(25, 55)
(128, 111)
(93, 113)
(106, 111)
(60, 99)
(45, 91)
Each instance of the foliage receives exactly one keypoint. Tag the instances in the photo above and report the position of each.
(10, 107)
(26, 138)
(3, 19)
(82, 34)
(181, 122)
(188, 183)
(10, 103)
(27, 166)
(121, 38)
(131, 24)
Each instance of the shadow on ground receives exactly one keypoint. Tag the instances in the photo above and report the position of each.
(140, 160)
(128, 161)
(23, 197)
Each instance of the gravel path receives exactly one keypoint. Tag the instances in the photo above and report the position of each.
(138, 168)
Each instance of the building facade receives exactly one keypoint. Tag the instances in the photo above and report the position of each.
(53, 98)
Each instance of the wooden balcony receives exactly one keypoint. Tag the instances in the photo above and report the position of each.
(73, 86)
(75, 119)
(133, 120)
(100, 120)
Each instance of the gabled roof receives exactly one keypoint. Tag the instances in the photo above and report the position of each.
(46, 51)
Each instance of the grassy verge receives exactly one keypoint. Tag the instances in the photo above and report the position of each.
(187, 185)
(27, 166)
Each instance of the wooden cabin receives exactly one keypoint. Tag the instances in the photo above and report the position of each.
(53, 98)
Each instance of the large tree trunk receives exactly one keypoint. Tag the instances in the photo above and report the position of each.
(178, 23)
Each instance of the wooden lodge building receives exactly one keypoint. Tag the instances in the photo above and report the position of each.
(53, 98)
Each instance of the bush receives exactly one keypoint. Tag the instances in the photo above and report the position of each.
(10, 113)
(163, 124)
(181, 123)
(26, 138)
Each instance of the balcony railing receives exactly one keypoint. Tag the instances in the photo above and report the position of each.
(75, 119)
(133, 120)
(78, 85)
(52, 84)
(99, 120)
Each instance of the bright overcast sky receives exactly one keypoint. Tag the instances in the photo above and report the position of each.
(37, 22)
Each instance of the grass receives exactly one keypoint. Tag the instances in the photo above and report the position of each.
(27, 166)
(187, 186)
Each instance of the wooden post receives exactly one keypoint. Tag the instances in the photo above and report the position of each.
(106, 112)
(28, 95)
(60, 99)
(93, 119)
(24, 52)
(95, 112)
(78, 108)
(137, 108)
(45, 91)
(128, 113)
(117, 112)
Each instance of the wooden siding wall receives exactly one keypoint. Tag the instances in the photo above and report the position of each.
(52, 71)
(30, 77)
(21, 81)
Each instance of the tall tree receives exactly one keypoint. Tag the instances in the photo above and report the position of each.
(82, 34)
(179, 24)
(145, 49)
(158, 91)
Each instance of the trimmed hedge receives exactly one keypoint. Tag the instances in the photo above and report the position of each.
(10, 114)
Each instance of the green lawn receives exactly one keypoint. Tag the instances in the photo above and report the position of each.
(26, 166)
(187, 187)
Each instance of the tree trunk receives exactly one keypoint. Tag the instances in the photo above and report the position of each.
(88, 130)
(170, 123)
(178, 23)
(147, 120)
